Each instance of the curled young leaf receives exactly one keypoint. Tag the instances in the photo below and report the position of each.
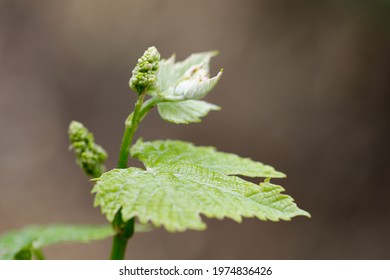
(195, 84)
(185, 80)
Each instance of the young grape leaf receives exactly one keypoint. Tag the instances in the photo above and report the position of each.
(184, 112)
(194, 85)
(185, 80)
(170, 72)
(21, 244)
(202, 58)
(181, 184)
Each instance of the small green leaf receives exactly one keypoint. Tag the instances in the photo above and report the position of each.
(184, 112)
(185, 80)
(157, 153)
(182, 181)
(22, 243)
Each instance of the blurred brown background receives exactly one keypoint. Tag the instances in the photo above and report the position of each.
(305, 89)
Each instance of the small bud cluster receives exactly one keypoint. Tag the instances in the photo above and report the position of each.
(90, 156)
(145, 72)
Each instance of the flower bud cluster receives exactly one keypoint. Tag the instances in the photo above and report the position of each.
(145, 72)
(90, 156)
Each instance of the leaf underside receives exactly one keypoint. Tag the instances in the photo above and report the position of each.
(182, 182)
(184, 112)
(20, 243)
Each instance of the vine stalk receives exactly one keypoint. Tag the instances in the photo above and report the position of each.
(125, 230)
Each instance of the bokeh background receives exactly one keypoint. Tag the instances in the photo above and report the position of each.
(305, 88)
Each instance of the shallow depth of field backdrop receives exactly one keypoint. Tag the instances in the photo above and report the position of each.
(305, 89)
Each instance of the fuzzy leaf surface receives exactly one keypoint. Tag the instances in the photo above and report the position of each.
(23, 241)
(176, 189)
(170, 72)
(184, 112)
(185, 80)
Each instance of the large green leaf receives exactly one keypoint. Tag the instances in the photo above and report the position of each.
(185, 80)
(184, 112)
(181, 182)
(21, 244)
(157, 153)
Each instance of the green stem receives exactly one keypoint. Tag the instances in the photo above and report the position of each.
(147, 106)
(132, 123)
(119, 245)
(129, 133)
(126, 230)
